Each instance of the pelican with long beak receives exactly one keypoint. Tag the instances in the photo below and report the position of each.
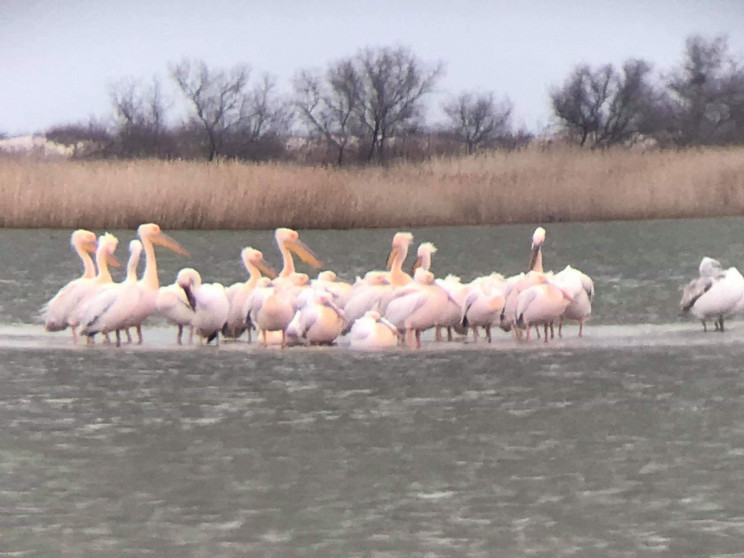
(538, 237)
(208, 301)
(107, 244)
(238, 293)
(398, 253)
(423, 256)
(150, 235)
(55, 313)
(289, 243)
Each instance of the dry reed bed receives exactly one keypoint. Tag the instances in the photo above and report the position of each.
(526, 186)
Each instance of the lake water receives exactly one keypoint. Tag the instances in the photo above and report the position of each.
(627, 442)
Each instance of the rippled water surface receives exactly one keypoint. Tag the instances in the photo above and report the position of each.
(628, 442)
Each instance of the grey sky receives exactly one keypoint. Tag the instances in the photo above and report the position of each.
(58, 59)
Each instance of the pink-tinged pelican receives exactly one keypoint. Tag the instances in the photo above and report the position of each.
(319, 321)
(150, 234)
(372, 331)
(581, 288)
(398, 253)
(518, 283)
(109, 308)
(289, 243)
(56, 311)
(272, 308)
(716, 295)
(173, 305)
(107, 244)
(423, 256)
(366, 294)
(238, 293)
(208, 301)
(483, 304)
(541, 304)
(329, 282)
(417, 306)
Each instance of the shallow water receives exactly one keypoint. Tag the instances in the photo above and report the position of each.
(627, 442)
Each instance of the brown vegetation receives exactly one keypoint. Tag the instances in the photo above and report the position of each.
(532, 185)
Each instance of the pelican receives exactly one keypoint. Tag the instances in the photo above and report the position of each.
(518, 283)
(319, 320)
(418, 306)
(716, 295)
(208, 301)
(398, 253)
(238, 293)
(56, 311)
(483, 304)
(174, 306)
(372, 331)
(423, 256)
(541, 304)
(451, 317)
(271, 309)
(289, 243)
(109, 308)
(107, 244)
(329, 282)
(150, 234)
(581, 288)
(366, 294)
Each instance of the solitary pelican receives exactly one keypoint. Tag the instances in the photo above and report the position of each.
(372, 331)
(56, 311)
(715, 295)
(238, 293)
(208, 301)
(109, 308)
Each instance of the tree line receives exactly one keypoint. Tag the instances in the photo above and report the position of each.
(370, 108)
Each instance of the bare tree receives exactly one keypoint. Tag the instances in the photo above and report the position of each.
(140, 112)
(707, 94)
(86, 140)
(217, 97)
(477, 119)
(603, 106)
(328, 107)
(394, 82)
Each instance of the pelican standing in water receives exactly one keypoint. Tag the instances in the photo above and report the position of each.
(109, 309)
(541, 304)
(56, 311)
(174, 306)
(238, 293)
(208, 301)
(581, 288)
(150, 234)
(714, 295)
(107, 244)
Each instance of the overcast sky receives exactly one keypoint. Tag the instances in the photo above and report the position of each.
(59, 58)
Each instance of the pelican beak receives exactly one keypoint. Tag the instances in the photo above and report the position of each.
(390, 258)
(112, 261)
(266, 269)
(304, 253)
(189, 296)
(416, 264)
(162, 239)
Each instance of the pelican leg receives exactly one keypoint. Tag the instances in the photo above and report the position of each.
(118, 338)
(488, 332)
(191, 334)
(537, 331)
(179, 335)
(284, 338)
(581, 327)
(75, 337)
(139, 335)
(560, 327)
(106, 338)
(129, 336)
(475, 333)
(552, 333)
(438, 333)
(528, 333)
(418, 338)
(721, 321)
(705, 327)
(545, 328)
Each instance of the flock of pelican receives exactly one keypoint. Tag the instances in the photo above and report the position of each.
(385, 308)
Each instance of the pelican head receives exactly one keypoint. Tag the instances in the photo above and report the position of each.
(423, 256)
(327, 275)
(253, 257)
(85, 240)
(538, 237)
(107, 244)
(189, 279)
(291, 240)
(152, 233)
(401, 242)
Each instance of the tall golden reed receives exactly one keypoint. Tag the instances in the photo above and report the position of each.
(558, 184)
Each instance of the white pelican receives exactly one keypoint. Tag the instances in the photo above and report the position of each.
(714, 297)
(328, 281)
(418, 306)
(483, 304)
(451, 317)
(56, 311)
(272, 308)
(174, 306)
(289, 243)
(208, 301)
(319, 321)
(423, 256)
(107, 244)
(581, 288)
(238, 293)
(366, 294)
(518, 283)
(150, 234)
(398, 253)
(372, 331)
(541, 304)
(109, 308)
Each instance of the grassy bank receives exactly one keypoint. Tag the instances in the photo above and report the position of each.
(526, 186)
